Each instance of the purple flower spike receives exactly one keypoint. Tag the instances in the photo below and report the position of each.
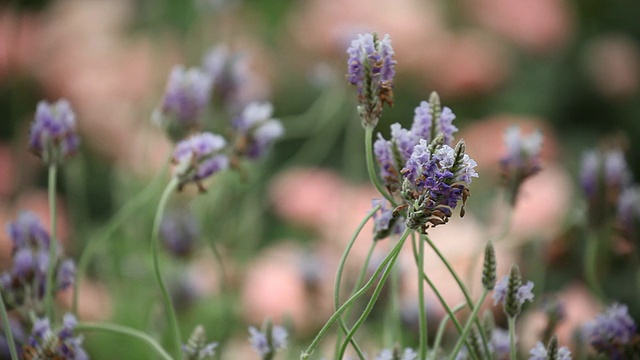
(53, 134)
(185, 100)
(427, 126)
(371, 68)
(611, 331)
(522, 159)
(47, 343)
(256, 130)
(198, 158)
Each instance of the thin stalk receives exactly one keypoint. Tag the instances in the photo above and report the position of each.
(343, 260)
(376, 293)
(368, 148)
(512, 337)
(126, 331)
(168, 303)
(443, 325)
(7, 330)
(467, 327)
(421, 305)
(53, 245)
(393, 314)
(463, 288)
(123, 214)
(591, 266)
(314, 344)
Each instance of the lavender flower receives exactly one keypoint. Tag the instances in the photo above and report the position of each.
(25, 283)
(539, 352)
(436, 178)
(385, 221)
(629, 213)
(371, 68)
(523, 293)
(179, 230)
(47, 343)
(185, 99)
(388, 354)
(256, 130)
(499, 346)
(511, 293)
(197, 348)
(611, 331)
(198, 158)
(269, 340)
(522, 159)
(53, 134)
(430, 120)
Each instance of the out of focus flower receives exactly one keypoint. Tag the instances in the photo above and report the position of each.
(521, 160)
(179, 231)
(511, 293)
(540, 352)
(256, 130)
(397, 354)
(25, 283)
(629, 214)
(198, 158)
(436, 178)
(371, 68)
(612, 64)
(385, 222)
(499, 346)
(53, 134)
(197, 348)
(47, 343)
(611, 331)
(269, 340)
(185, 100)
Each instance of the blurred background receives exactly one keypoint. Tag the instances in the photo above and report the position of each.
(568, 67)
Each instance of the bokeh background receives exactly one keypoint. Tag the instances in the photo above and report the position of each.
(568, 67)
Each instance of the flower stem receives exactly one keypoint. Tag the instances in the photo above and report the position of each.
(368, 148)
(591, 266)
(7, 330)
(168, 303)
(53, 245)
(124, 213)
(314, 344)
(123, 330)
(463, 288)
(421, 304)
(512, 337)
(442, 326)
(468, 325)
(343, 260)
(393, 256)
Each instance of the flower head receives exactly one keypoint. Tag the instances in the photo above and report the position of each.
(371, 68)
(431, 119)
(256, 130)
(185, 99)
(511, 293)
(611, 331)
(540, 352)
(522, 159)
(197, 347)
(53, 135)
(198, 158)
(271, 339)
(385, 221)
(47, 343)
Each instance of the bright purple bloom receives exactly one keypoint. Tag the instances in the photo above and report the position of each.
(256, 130)
(610, 331)
(426, 127)
(53, 135)
(539, 352)
(45, 342)
(199, 157)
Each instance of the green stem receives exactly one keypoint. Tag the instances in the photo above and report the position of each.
(467, 327)
(463, 288)
(512, 337)
(168, 303)
(421, 304)
(123, 330)
(314, 344)
(53, 245)
(393, 314)
(7, 330)
(376, 293)
(368, 148)
(343, 260)
(591, 266)
(123, 214)
(442, 326)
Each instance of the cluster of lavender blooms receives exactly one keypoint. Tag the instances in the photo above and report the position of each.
(371, 68)
(510, 292)
(521, 160)
(612, 332)
(199, 157)
(53, 136)
(255, 130)
(47, 343)
(267, 341)
(24, 285)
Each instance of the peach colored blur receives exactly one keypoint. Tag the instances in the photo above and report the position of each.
(612, 63)
(94, 302)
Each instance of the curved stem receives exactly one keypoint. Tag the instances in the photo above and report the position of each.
(512, 337)
(368, 148)
(376, 293)
(591, 266)
(349, 302)
(463, 288)
(124, 213)
(421, 305)
(343, 260)
(442, 326)
(7, 330)
(53, 245)
(467, 327)
(168, 303)
(123, 330)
